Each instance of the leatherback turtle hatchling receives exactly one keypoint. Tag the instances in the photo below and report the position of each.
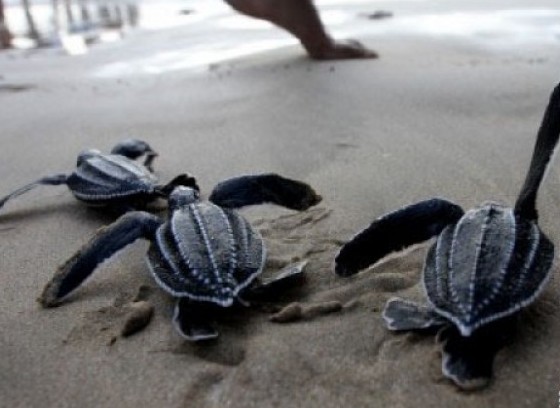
(113, 180)
(486, 265)
(205, 253)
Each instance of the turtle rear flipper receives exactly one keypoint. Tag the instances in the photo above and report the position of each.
(55, 180)
(192, 320)
(264, 188)
(468, 361)
(290, 276)
(133, 149)
(395, 231)
(185, 180)
(105, 243)
(402, 315)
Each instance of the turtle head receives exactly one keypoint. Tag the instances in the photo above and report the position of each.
(87, 154)
(133, 149)
(182, 196)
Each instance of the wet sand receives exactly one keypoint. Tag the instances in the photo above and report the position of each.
(451, 115)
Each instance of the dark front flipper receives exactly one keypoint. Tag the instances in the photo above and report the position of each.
(106, 242)
(55, 180)
(193, 320)
(133, 149)
(265, 289)
(394, 232)
(547, 139)
(402, 315)
(264, 188)
(468, 361)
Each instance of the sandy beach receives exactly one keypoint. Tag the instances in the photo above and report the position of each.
(451, 109)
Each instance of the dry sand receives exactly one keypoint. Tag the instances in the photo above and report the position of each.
(451, 115)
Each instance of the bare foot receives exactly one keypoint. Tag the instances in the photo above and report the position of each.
(342, 50)
(301, 19)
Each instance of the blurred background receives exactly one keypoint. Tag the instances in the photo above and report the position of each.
(32, 23)
(74, 25)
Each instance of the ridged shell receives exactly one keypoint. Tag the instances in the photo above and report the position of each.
(206, 253)
(487, 266)
(107, 177)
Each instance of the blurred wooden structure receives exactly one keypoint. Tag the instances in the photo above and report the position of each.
(32, 28)
(5, 36)
(70, 17)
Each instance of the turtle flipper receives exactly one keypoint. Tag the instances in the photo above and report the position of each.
(394, 232)
(150, 157)
(185, 180)
(192, 320)
(401, 315)
(133, 149)
(55, 180)
(468, 361)
(547, 139)
(288, 277)
(264, 188)
(106, 242)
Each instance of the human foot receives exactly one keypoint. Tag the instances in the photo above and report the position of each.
(301, 19)
(333, 50)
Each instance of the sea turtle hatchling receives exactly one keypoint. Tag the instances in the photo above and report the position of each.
(205, 254)
(485, 265)
(113, 180)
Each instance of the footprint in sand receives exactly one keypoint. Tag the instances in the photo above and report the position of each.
(295, 237)
(231, 353)
(127, 316)
(9, 88)
(204, 390)
(300, 311)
